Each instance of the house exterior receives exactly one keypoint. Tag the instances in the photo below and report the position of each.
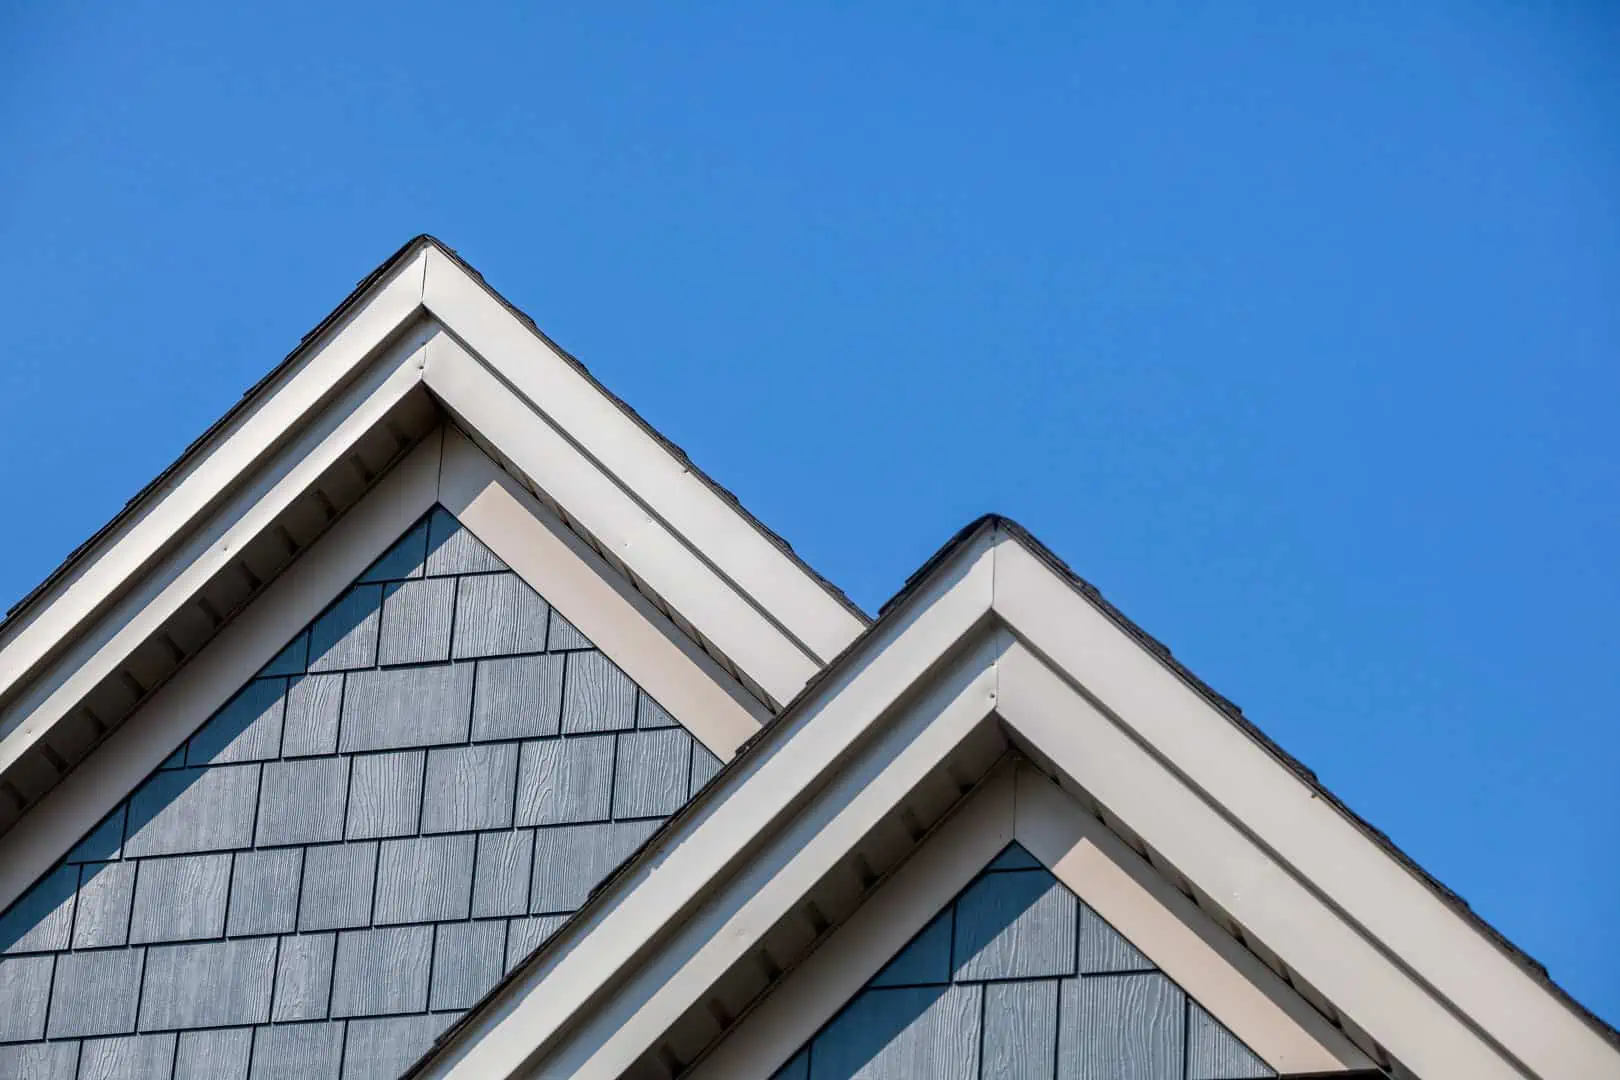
(434, 717)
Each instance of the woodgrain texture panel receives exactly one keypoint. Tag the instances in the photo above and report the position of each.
(299, 871)
(180, 899)
(385, 795)
(1009, 940)
(1127, 1026)
(416, 618)
(304, 977)
(216, 984)
(382, 971)
(215, 1054)
(1020, 1030)
(127, 1057)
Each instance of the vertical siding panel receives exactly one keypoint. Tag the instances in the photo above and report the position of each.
(564, 781)
(25, 996)
(1020, 1030)
(518, 697)
(216, 1054)
(1213, 1053)
(42, 918)
(104, 905)
(385, 795)
(311, 726)
(128, 1057)
(304, 977)
(1019, 924)
(180, 899)
(1128, 1027)
(597, 696)
(898, 1034)
(424, 879)
(501, 874)
(415, 624)
(469, 787)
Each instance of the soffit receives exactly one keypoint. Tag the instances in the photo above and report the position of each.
(1422, 986)
(139, 599)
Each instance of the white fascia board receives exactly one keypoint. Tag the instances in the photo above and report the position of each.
(616, 618)
(1019, 803)
(715, 836)
(122, 559)
(481, 399)
(664, 487)
(84, 626)
(1091, 750)
(219, 670)
(1301, 845)
(811, 995)
(250, 508)
(1213, 967)
(726, 929)
(1070, 686)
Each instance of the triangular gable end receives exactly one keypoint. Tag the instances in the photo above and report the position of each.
(419, 787)
(1017, 978)
(420, 339)
(1291, 922)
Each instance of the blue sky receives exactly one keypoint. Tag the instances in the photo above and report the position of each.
(1293, 328)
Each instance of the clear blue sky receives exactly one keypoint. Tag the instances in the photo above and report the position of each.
(1295, 329)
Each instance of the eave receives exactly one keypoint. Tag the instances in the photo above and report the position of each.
(421, 340)
(995, 637)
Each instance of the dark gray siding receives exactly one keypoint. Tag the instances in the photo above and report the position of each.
(408, 800)
(1018, 980)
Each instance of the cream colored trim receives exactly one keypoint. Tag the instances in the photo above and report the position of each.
(250, 439)
(574, 579)
(250, 510)
(130, 579)
(642, 950)
(1228, 980)
(919, 889)
(227, 662)
(1093, 863)
(723, 932)
(764, 792)
(664, 487)
(485, 402)
(1314, 845)
(1095, 753)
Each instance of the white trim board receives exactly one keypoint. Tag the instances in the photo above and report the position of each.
(759, 610)
(1020, 804)
(1122, 731)
(223, 667)
(444, 469)
(618, 620)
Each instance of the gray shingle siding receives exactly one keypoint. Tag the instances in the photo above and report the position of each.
(346, 856)
(1018, 980)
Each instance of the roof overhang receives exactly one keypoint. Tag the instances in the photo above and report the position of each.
(996, 646)
(421, 338)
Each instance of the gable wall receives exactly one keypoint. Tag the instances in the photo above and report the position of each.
(402, 805)
(1018, 980)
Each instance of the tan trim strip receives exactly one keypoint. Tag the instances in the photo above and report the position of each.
(1094, 752)
(618, 620)
(635, 461)
(812, 995)
(1228, 980)
(742, 631)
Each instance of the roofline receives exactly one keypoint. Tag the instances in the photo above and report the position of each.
(892, 612)
(403, 255)
(420, 338)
